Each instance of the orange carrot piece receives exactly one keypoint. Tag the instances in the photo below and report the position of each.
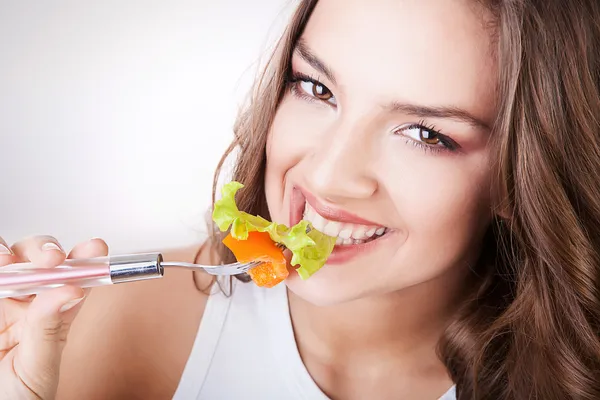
(260, 247)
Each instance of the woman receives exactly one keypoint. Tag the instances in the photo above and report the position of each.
(456, 143)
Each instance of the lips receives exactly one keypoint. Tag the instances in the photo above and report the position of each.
(334, 214)
(364, 234)
(346, 233)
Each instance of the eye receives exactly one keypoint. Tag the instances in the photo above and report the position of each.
(423, 134)
(427, 136)
(311, 89)
(317, 90)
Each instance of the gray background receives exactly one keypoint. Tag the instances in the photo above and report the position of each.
(113, 114)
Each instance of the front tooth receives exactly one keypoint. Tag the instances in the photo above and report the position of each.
(380, 231)
(318, 222)
(309, 212)
(332, 228)
(358, 231)
(370, 232)
(347, 242)
(346, 232)
(339, 241)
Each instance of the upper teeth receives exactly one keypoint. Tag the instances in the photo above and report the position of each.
(345, 232)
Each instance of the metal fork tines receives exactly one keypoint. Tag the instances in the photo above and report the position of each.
(226, 269)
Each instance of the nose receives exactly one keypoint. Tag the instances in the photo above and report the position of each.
(340, 165)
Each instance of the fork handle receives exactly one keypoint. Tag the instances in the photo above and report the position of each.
(24, 279)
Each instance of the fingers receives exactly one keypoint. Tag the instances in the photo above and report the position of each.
(43, 337)
(90, 248)
(11, 327)
(6, 254)
(43, 251)
(46, 251)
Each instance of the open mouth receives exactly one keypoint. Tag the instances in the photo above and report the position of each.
(350, 230)
(347, 234)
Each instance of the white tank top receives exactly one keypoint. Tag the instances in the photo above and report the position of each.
(245, 349)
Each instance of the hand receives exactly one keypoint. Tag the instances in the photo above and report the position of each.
(34, 329)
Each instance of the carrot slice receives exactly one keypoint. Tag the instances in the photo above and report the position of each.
(260, 247)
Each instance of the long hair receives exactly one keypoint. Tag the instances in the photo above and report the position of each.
(529, 327)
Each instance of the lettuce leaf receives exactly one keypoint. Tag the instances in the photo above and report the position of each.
(309, 250)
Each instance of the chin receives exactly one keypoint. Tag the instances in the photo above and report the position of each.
(329, 286)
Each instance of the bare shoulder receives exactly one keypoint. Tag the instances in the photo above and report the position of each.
(132, 340)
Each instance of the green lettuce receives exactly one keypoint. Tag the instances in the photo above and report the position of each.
(309, 249)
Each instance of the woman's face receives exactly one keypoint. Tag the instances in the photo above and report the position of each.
(382, 141)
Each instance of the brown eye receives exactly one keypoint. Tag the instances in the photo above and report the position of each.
(311, 89)
(426, 137)
(321, 92)
(429, 137)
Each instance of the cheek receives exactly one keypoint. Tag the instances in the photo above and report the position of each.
(444, 206)
(288, 144)
(296, 130)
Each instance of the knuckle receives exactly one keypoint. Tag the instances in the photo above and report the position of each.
(57, 332)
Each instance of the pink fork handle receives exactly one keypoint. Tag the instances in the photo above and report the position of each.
(25, 278)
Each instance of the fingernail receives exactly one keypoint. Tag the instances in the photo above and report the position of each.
(67, 306)
(50, 246)
(5, 251)
(23, 298)
(91, 241)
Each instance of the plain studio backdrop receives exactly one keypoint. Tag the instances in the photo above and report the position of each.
(114, 113)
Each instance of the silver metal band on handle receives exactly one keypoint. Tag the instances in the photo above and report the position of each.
(136, 267)
(24, 279)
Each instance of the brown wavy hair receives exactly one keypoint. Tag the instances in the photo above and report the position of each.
(529, 327)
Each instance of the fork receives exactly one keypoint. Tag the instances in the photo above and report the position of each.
(223, 270)
(23, 279)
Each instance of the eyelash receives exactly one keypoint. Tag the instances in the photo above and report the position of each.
(448, 145)
(296, 78)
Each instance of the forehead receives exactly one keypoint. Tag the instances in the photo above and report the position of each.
(431, 52)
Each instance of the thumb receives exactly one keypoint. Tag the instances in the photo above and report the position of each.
(43, 338)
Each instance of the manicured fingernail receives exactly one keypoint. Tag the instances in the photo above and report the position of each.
(50, 246)
(67, 306)
(5, 251)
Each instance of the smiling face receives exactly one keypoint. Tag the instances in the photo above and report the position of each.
(381, 140)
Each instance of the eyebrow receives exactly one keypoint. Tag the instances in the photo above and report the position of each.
(442, 112)
(454, 113)
(307, 55)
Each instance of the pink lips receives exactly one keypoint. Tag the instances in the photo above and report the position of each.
(343, 254)
(332, 213)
